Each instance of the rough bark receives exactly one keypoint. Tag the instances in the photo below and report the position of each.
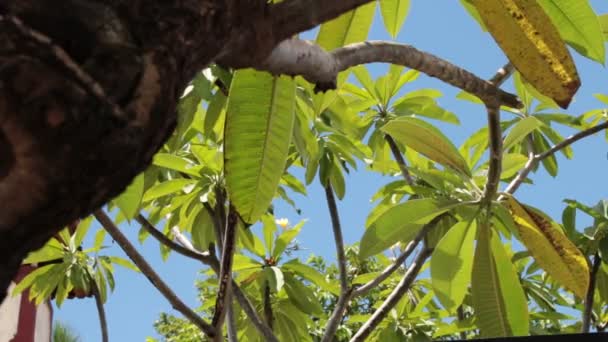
(88, 92)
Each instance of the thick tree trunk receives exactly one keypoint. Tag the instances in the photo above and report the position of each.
(88, 91)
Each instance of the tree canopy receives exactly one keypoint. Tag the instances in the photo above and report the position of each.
(191, 118)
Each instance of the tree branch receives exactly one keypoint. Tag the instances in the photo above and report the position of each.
(334, 321)
(152, 276)
(225, 275)
(337, 229)
(588, 310)
(100, 310)
(502, 74)
(495, 162)
(531, 164)
(298, 57)
(163, 239)
(392, 300)
(268, 316)
(399, 159)
(294, 16)
(336, 315)
(409, 249)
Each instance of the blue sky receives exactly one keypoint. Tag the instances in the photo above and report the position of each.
(442, 28)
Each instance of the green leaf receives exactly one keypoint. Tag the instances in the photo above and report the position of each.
(269, 228)
(350, 27)
(130, 200)
(401, 223)
(285, 239)
(488, 301)
(124, 263)
(259, 125)
(452, 263)
(578, 25)
(31, 278)
(427, 140)
(521, 130)
(394, 13)
(202, 230)
(302, 297)
(167, 188)
(251, 242)
(275, 278)
(541, 145)
(50, 251)
(511, 164)
(214, 115)
(512, 291)
(311, 274)
(173, 162)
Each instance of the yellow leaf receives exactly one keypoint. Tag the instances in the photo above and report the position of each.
(557, 255)
(528, 37)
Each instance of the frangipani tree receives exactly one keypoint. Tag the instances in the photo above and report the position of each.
(253, 102)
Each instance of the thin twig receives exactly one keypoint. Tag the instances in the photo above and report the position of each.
(495, 163)
(225, 275)
(399, 159)
(101, 312)
(387, 272)
(586, 324)
(392, 300)
(502, 74)
(334, 321)
(337, 229)
(531, 164)
(149, 272)
(162, 238)
(344, 298)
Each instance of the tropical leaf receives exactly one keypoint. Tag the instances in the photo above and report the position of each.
(578, 25)
(551, 249)
(350, 27)
(427, 140)
(498, 298)
(259, 124)
(521, 130)
(401, 223)
(394, 13)
(452, 262)
(533, 44)
(130, 199)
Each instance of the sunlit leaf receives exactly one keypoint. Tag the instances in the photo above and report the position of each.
(452, 262)
(401, 223)
(427, 140)
(394, 13)
(533, 44)
(551, 249)
(259, 124)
